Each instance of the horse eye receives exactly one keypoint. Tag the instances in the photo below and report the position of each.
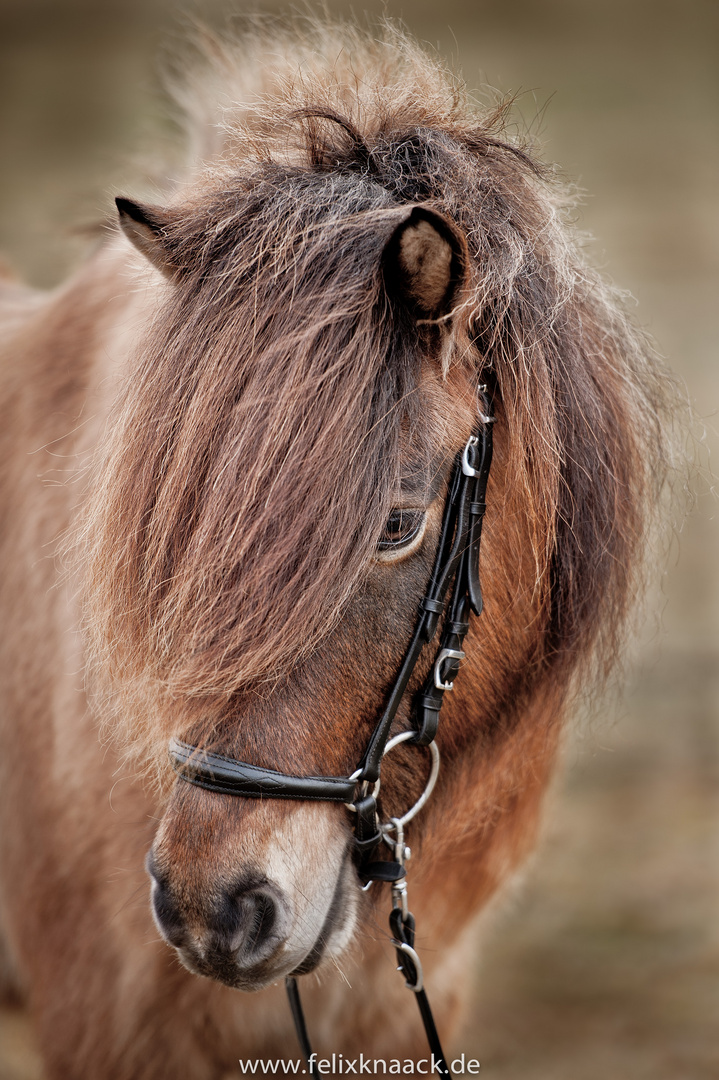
(401, 529)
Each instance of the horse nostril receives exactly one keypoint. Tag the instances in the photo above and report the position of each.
(166, 913)
(263, 919)
(248, 921)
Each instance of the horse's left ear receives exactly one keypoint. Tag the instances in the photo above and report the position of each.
(146, 227)
(425, 263)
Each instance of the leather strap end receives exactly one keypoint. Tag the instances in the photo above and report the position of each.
(367, 832)
(428, 708)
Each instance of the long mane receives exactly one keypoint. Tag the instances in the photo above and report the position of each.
(255, 452)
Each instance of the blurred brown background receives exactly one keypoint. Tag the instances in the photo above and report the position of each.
(606, 962)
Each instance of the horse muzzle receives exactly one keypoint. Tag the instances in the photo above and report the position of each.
(281, 914)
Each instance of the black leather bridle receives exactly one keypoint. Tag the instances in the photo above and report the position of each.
(455, 569)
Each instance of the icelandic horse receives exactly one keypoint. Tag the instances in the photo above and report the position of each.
(227, 442)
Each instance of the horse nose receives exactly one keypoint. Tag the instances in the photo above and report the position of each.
(244, 923)
(166, 910)
(247, 922)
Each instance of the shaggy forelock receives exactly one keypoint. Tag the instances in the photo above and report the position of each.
(259, 445)
(257, 452)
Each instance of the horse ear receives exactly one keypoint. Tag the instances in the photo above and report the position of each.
(146, 228)
(425, 263)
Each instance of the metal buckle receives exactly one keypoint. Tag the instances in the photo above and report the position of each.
(467, 469)
(418, 985)
(472, 441)
(364, 790)
(445, 654)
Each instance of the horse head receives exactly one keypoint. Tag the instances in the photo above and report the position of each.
(269, 503)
